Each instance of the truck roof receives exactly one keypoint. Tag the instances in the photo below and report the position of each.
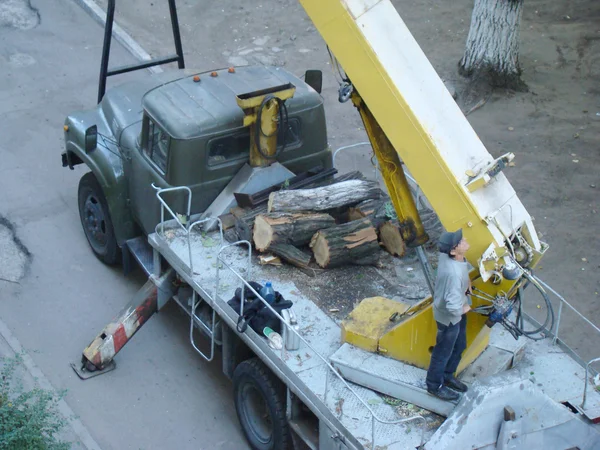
(187, 109)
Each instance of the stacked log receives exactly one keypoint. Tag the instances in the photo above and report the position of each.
(336, 223)
(324, 198)
(344, 244)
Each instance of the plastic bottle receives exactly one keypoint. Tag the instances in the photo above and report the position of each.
(268, 293)
(274, 338)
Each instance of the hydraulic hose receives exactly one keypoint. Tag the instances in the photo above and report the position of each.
(283, 121)
(548, 322)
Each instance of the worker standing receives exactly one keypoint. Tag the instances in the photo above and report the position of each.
(450, 306)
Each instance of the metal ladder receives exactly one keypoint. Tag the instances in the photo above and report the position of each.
(194, 318)
(188, 227)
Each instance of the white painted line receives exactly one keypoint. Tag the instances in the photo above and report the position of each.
(130, 44)
(76, 425)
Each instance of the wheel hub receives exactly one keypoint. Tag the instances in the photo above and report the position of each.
(95, 224)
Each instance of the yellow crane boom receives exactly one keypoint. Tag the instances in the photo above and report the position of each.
(412, 119)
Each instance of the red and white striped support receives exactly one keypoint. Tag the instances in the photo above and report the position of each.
(121, 329)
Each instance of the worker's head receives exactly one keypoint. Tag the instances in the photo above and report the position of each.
(453, 244)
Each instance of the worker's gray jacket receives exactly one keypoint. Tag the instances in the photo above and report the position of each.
(451, 286)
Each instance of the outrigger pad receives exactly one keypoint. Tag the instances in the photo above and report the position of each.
(84, 374)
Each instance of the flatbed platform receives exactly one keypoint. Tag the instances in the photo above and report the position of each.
(320, 303)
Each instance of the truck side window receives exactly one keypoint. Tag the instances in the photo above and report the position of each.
(158, 146)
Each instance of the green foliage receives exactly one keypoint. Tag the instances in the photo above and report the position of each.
(29, 419)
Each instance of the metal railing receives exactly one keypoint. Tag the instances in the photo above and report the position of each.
(555, 338)
(374, 417)
(164, 205)
(187, 227)
(587, 368)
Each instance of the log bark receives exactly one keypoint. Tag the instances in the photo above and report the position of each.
(374, 210)
(355, 175)
(344, 244)
(288, 228)
(492, 47)
(391, 239)
(324, 198)
(244, 221)
(291, 254)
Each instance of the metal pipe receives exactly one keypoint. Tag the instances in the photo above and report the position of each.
(110, 16)
(426, 268)
(555, 338)
(143, 65)
(587, 367)
(345, 147)
(176, 34)
(247, 270)
(567, 303)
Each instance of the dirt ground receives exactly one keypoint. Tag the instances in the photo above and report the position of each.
(553, 128)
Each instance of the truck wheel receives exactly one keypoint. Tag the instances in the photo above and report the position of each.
(95, 220)
(260, 406)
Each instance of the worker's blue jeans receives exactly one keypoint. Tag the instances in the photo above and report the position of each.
(450, 343)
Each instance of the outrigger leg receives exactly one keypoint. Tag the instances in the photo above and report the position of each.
(98, 357)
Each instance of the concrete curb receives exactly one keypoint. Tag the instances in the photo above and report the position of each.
(130, 44)
(75, 424)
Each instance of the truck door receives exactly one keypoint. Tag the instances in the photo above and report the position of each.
(149, 165)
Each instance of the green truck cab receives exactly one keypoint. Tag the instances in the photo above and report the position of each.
(177, 128)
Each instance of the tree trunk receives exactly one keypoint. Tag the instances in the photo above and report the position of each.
(324, 198)
(492, 47)
(291, 254)
(345, 243)
(288, 228)
(391, 239)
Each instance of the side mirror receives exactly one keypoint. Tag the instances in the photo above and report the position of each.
(91, 139)
(314, 78)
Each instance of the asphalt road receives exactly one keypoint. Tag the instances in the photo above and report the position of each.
(54, 295)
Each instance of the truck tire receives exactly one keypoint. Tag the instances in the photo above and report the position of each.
(260, 405)
(95, 220)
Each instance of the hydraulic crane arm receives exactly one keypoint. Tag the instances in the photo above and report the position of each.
(412, 119)
(423, 123)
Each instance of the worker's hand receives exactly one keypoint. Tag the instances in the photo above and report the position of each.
(466, 309)
(469, 289)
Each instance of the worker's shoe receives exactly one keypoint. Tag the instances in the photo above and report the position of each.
(444, 393)
(456, 384)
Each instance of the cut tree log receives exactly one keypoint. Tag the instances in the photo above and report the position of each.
(373, 209)
(291, 254)
(391, 239)
(244, 220)
(288, 228)
(269, 259)
(324, 198)
(344, 244)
